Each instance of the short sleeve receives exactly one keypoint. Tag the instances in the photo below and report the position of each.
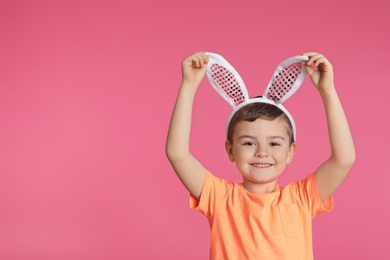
(308, 194)
(213, 191)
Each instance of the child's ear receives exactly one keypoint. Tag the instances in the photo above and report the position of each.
(291, 153)
(229, 150)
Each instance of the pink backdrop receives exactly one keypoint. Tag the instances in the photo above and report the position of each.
(86, 93)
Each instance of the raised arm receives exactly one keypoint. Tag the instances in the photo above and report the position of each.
(333, 171)
(186, 166)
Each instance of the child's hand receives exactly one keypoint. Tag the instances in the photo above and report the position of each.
(322, 78)
(194, 68)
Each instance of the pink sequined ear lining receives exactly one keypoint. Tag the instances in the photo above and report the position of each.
(227, 82)
(284, 81)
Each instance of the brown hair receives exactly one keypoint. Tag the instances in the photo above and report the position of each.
(253, 111)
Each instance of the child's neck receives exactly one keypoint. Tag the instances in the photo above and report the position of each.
(260, 188)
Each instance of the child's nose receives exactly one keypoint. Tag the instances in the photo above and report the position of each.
(261, 151)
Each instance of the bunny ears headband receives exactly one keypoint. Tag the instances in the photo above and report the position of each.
(287, 78)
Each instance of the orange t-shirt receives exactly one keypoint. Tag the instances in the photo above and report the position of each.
(277, 225)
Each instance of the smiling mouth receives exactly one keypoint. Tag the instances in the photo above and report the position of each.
(261, 165)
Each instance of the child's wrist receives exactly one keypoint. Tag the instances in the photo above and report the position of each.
(189, 87)
(328, 92)
(189, 84)
(326, 89)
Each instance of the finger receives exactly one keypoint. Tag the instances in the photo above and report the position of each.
(309, 69)
(314, 58)
(310, 54)
(320, 60)
(195, 60)
(207, 58)
(201, 59)
(198, 60)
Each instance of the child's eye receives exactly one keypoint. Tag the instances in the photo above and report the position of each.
(274, 144)
(249, 143)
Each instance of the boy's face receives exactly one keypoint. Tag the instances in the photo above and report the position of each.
(261, 151)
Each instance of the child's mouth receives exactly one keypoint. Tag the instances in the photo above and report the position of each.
(261, 165)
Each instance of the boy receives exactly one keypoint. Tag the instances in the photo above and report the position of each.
(258, 219)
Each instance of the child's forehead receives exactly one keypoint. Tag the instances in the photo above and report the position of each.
(261, 126)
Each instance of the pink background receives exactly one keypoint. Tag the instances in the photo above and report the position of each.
(86, 93)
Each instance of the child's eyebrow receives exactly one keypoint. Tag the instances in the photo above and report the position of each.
(277, 137)
(269, 137)
(246, 136)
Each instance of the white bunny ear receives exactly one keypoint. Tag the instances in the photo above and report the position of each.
(287, 79)
(226, 80)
